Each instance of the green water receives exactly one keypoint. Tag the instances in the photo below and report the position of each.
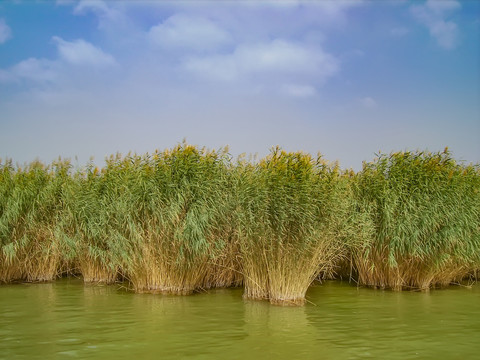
(65, 319)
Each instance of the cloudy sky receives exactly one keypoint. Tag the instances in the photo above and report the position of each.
(344, 78)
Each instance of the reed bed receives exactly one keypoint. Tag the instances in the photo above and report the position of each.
(188, 219)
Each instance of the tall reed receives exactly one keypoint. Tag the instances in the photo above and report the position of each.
(31, 210)
(181, 199)
(95, 200)
(290, 209)
(425, 209)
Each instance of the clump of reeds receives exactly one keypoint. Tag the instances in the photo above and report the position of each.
(31, 209)
(424, 209)
(96, 206)
(291, 209)
(181, 198)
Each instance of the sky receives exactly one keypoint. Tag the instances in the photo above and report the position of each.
(348, 79)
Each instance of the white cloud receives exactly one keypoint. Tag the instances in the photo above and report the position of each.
(399, 31)
(278, 57)
(332, 6)
(96, 6)
(35, 69)
(283, 56)
(76, 54)
(5, 31)
(110, 17)
(299, 91)
(215, 67)
(40, 70)
(446, 33)
(183, 31)
(324, 13)
(368, 103)
(335, 7)
(64, 2)
(80, 52)
(439, 6)
(6, 76)
(433, 16)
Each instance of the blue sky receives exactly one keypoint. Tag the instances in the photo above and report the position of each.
(344, 78)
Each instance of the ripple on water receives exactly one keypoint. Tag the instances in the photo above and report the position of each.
(66, 319)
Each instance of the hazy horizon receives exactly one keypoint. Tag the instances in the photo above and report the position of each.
(343, 78)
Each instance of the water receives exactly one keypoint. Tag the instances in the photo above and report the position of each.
(66, 320)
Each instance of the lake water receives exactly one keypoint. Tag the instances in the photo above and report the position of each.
(67, 320)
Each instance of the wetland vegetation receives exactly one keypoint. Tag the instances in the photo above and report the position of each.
(189, 219)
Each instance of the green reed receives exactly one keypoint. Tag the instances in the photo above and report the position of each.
(179, 201)
(291, 207)
(425, 211)
(31, 214)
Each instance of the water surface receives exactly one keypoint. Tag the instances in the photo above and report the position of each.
(67, 320)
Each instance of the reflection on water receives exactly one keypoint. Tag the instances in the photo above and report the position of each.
(65, 319)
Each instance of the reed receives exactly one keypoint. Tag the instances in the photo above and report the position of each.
(181, 199)
(425, 210)
(291, 205)
(92, 202)
(30, 209)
